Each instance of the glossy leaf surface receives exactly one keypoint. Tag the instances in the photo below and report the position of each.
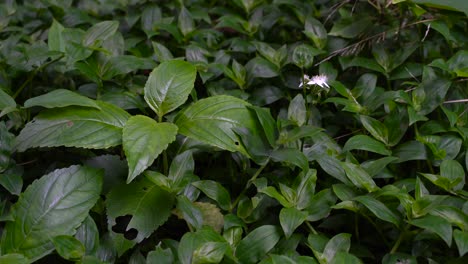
(212, 121)
(169, 86)
(75, 127)
(143, 140)
(54, 205)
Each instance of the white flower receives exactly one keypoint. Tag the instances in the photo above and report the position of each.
(306, 79)
(320, 80)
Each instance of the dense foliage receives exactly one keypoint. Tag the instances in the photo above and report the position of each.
(244, 131)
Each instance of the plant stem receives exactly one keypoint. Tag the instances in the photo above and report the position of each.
(311, 228)
(377, 228)
(249, 183)
(165, 161)
(356, 227)
(398, 242)
(31, 76)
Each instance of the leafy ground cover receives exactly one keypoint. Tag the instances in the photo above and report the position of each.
(242, 131)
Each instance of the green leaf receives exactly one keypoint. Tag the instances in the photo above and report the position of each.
(91, 260)
(148, 205)
(258, 243)
(124, 64)
(297, 111)
(265, 50)
(305, 188)
(212, 120)
(359, 177)
(279, 259)
(255, 144)
(210, 252)
(348, 28)
(68, 247)
(344, 192)
(379, 209)
(99, 32)
(261, 68)
(338, 243)
(12, 179)
(292, 156)
(14, 259)
(185, 22)
(215, 191)
(437, 225)
(139, 144)
(317, 242)
(315, 31)
(459, 5)
(345, 258)
(192, 241)
(367, 143)
(273, 193)
(296, 133)
(54, 205)
(434, 88)
(150, 16)
(267, 122)
(123, 99)
(410, 150)
(303, 55)
(425, 203)
(212, 216)
(331, 166)
(353, 61)
(55, 39)
(459, 63)
(6, 147)
(373, 167)
(397, 123)
(461, 239)
(169, 86)
(290, 219)
(74, 127)
(453, 171)
(88, 235)
(181, 170)
(451, 214)
(320, 205)
(160, 256)
(443, 183)
(6, 100)
(60, 98)
(162, 53)
(396, 258)
(189, 212)
(382, 57)
(377, 129)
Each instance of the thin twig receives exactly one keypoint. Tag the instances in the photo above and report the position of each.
(27, 162)
(334, 9)
(345, 135)
(249, 183)
(361, 43)
(456, 101)
(31, 76)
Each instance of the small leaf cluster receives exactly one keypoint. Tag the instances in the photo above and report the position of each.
(244, 131)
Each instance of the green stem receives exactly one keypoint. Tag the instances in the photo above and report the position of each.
(356, 227)
(429, 164)
(249, 183)
(31, 76)
(311, 228)
(377, 228)
(398, 242)
(165, 161)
